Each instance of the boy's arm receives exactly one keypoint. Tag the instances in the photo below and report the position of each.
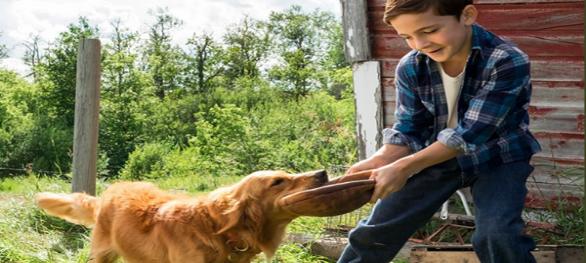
(392, 177)
(385, 155)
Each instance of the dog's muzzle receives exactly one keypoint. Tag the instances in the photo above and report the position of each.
(339, 196)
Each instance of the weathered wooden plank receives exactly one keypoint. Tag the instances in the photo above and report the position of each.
(554, 144)
(560, 119)
(369, 116)
(557, 70)
(560, 96)
(388, 67)
(481, 2)
(533, 17)
(550, 172)
(381, 3)
(558, 122)
(553, 109)
(559, 161)
(356, 40)
(389, 110)
(551, 130)
(462, 256)
(541, 70)
(87, 108)
(539, 44)
(551, 17)
(549, 196)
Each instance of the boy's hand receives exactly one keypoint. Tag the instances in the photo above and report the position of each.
(389, 179)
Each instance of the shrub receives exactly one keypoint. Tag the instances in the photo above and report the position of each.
(144, 160)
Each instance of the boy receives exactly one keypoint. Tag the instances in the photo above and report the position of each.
(461, 120)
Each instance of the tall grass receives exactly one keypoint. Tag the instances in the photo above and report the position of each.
(29, 235)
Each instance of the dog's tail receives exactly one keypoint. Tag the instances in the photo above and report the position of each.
(77, 208)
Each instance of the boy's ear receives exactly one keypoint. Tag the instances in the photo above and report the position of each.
(469, 15)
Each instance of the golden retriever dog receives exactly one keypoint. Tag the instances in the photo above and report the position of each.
(141, 223)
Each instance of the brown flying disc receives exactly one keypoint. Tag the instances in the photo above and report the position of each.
(339, 196)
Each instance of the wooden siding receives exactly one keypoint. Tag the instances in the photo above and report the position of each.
(551, 32)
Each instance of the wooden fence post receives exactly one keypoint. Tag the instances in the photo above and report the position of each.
(87, 105)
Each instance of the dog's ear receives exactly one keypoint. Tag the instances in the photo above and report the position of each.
(233, 216)
(244, 213)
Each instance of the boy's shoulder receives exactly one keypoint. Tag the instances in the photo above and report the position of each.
(492, 47)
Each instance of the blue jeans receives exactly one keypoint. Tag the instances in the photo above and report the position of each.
(499, 196)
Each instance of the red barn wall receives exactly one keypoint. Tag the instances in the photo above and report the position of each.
(552, 34)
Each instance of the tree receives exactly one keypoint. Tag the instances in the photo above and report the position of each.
(247, 45)
(59, 71)
(163, 59)
(336, 74)
(17, 102)
(3, 50)
(301, 41)
(203, 64)
(32, 55)
(122, 93)
(52, 135)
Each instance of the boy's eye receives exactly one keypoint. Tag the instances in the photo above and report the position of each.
(430, 31)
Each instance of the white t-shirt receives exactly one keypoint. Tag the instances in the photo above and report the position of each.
(452, 87)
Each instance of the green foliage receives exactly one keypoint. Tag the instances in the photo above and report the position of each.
(247, 44)
(144, 160)
(162, 58)
(123, 89)
(16, 122)
(303, 40)
(570, 222)
(203, 65)
(172, 119)
(59, 72)
(317, 132)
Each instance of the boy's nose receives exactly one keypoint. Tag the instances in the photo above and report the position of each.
(421, 44)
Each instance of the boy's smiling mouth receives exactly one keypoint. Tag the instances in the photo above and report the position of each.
(434, 51)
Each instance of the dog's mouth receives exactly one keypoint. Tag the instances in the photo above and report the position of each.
(330, 198)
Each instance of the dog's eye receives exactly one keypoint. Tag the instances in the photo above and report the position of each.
(277, 182)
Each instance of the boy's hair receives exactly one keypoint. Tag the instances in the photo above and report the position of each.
(395, 8)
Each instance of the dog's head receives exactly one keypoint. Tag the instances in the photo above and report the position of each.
(265, 189)
(252, 206)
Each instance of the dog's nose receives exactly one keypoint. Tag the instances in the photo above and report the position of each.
(321, 176)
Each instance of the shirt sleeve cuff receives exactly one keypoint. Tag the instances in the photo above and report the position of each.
(452, 139)
(392, 136)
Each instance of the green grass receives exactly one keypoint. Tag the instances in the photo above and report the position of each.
(29, 235)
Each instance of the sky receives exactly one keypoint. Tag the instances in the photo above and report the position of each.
(20, 20)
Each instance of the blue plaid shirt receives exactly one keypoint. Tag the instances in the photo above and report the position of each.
(493, 122)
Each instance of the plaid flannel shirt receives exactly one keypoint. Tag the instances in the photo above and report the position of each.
(493, 122)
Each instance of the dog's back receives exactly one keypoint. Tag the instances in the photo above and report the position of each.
(139, 198)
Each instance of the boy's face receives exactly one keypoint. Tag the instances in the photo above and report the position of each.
(444, 39)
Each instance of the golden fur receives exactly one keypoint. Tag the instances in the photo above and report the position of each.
(141, 223)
